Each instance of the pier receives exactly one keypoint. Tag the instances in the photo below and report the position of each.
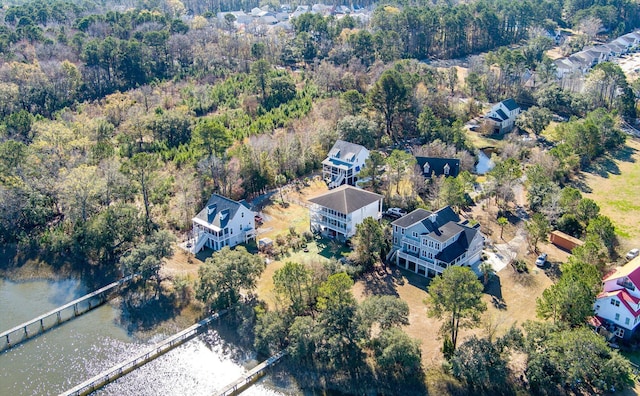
(139, 360)
(53, 318)
(251, 376)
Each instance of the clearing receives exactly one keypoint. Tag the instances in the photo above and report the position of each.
(618, 182)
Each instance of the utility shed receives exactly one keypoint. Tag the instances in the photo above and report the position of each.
(564, 241)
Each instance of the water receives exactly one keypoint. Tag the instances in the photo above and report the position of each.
(67, 355)
(484, 164)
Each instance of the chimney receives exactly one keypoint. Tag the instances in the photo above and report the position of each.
(434, 218)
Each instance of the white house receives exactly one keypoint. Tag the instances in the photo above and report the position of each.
(503, 115)
(617, 308)
(223, 222)
(427, 242)
(343, 163)
(337, 212)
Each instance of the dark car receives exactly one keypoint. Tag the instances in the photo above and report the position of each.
(541, 260)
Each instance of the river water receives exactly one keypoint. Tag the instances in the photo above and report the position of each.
(67, 355)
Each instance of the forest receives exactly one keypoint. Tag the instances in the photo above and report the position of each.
(118, 120)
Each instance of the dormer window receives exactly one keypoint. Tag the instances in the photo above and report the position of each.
(426, 168)
(626, 283)
(446, 169)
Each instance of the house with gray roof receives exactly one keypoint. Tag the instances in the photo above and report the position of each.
(502, 116)
(428, 242)
(337, 213)
(432, 166)
(222, 222)
(343, 163)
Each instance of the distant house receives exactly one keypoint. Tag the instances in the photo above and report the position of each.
(427, 242)
(337, 213)
(617, 308)
(223, 222)
(502, 116)
(343, 163)
(432, 166)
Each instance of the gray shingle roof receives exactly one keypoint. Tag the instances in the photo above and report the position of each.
(411, 218)
(510, 104)
(345, 151)
(219, 210)
(455, 250)
(436, 165)
(346, 199)
(501, 114)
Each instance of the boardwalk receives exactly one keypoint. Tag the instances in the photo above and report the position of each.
(139, 360)
(248, 378)
(38, 325)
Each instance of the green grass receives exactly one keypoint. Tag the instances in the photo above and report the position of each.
(617, 194)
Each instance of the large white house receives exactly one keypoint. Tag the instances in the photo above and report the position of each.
(223, 222)
(336, 213)
(343, 163)
(617, 308)
(427, 242)
(502, 116)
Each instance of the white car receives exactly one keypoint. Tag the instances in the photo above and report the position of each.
(633, 253)
(395, 212)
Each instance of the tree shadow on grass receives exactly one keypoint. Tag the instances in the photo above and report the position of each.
(625, 153)
(381, 282)
(494, 289)
(579, 182)
(401, 275)
(604, 167)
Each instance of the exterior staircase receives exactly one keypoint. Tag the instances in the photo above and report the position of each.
(337, 182)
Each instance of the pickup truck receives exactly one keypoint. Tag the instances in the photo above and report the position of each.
(395, 213)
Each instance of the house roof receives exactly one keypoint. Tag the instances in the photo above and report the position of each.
(411, 218)
(510, 104)
(346, 199)
(501, 115)
(218, 211)
(436, 165)
(626, 299)
(461, 245)
(630, 270)
(345, 151)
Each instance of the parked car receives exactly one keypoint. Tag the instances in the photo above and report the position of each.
(395, 213)
(541, 260)
(633, 253)
(258, 219)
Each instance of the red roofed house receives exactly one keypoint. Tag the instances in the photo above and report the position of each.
(618, 306)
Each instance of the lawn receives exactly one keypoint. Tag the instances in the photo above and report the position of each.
(614, 184)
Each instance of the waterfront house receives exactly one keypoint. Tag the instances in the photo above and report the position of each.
(222, 222)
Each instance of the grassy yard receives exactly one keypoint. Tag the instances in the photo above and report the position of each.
(614, 184)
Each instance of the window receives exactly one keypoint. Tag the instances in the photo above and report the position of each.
(402, 231)
(242, 214)
(615, 302)
(437, 246)
(415, 234)
(619, 332)
(617, 318)
(395, 240)
(627, 321)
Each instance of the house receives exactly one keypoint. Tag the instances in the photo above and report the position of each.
(337, 213)
(617, 308)
(343, 163)
(223, 222)
(503, 115)
(427, 242)
(432, 166)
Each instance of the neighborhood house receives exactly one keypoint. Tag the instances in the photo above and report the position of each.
(432, 166)
(617, 308)
(337, 213)
(223, 222)
(343, 163)
(502, 117)
(427, 242)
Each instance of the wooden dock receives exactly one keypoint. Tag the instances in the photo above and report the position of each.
(39, 325)
(251, 376)
(139, 360)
